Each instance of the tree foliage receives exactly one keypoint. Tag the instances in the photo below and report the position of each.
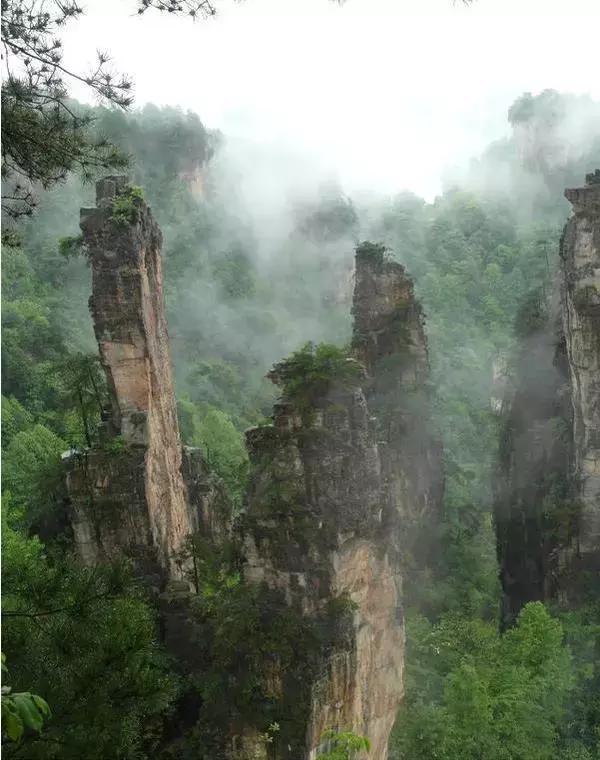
(474, 693)
(343, 745)
(44, 136)
(191, 8)
(86, 640)
(309, 374)
(22, 710)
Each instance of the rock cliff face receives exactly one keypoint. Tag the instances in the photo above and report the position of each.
(581, 320)
(547, 507)
(128, 496)
(331, 494)
(389, 339)
(315, 533)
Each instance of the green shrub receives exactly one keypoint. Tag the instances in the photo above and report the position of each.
(343, 745)
(115, 446)
(309, 374)
(126, 206)
(372, 252)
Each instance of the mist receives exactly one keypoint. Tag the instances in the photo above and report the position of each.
(275, 143)
(405, 90)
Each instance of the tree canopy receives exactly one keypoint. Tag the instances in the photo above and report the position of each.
(45, 136)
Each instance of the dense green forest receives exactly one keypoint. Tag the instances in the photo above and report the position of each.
(240, 296)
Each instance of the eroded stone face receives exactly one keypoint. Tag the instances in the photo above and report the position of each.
(315, 532)
(547, 506)
(328, 494)
(363, 687)
(389, 338)
(533, 473)
(109, 514)
(581, 320)
(154, 508)
(388, 320)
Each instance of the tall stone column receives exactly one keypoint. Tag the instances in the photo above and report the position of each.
(580, 253)
(128, 494)
(389, 339)
(547, 505)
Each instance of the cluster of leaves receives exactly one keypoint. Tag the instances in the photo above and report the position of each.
(70, 246)
(126, 206)
(192, 8)
(372, 252)
(580, 724)
(43, 365)
(532, 314)
(115, 445)
(21, 710)
(31, 456)
(473, 692)
(32, 472)
(44, 136)
(343, 745)
(222, 444)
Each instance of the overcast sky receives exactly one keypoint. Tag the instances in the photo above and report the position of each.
(382, 93)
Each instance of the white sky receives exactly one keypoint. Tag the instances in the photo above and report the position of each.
(382, 93)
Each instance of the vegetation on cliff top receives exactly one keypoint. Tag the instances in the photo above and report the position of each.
(126, 206)
(372, 252)
(310, 374)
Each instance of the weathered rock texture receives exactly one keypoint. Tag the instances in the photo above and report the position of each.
(547, 508)
(329, 494)
(581, 323)
(129, 496)
(389, 339)
(315, 533)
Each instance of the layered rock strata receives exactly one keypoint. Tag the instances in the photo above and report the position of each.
(315, 533)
